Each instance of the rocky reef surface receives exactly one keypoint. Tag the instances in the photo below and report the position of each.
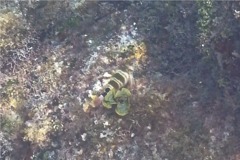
(184, 59)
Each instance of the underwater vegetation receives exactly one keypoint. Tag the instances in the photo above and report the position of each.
(205, 15)
(12, 31)
(123, 101)
(119, 99)
(204, 23)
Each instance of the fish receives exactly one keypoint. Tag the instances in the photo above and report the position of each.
(118, 80)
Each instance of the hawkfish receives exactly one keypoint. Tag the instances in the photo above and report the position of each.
(118, 80)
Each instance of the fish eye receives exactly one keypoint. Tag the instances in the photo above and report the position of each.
(107, 90)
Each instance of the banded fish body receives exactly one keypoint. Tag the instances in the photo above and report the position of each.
(118, 80)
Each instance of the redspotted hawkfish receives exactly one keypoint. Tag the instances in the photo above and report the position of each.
(113, 93)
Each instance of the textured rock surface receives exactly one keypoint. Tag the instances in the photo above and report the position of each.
(184, 99)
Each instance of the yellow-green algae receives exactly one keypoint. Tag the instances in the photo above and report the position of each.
(109, 100)
(120, 98)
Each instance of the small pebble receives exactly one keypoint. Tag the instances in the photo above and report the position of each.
(84, 136)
